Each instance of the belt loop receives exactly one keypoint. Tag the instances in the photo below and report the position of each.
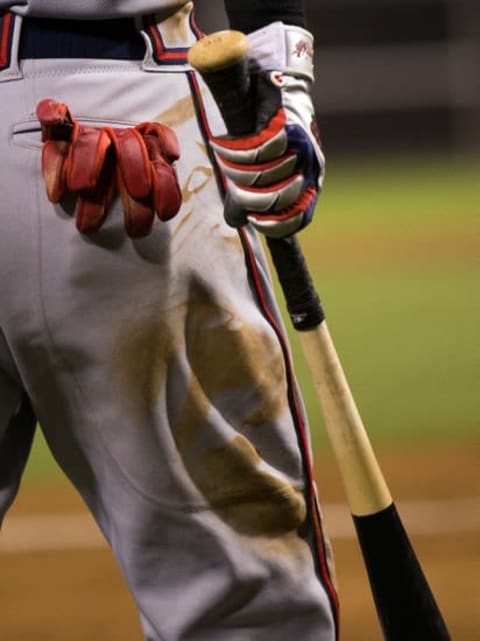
(168, 39)
(10, 27)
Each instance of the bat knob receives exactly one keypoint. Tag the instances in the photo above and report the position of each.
(218, 51)
(222, 61)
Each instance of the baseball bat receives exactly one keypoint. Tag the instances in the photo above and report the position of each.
(405, 605)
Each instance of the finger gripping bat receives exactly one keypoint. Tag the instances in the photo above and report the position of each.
(405, 605)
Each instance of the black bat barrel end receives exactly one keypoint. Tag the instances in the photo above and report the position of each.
(405, 605)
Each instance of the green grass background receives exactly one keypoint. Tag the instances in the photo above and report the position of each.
(395, 254)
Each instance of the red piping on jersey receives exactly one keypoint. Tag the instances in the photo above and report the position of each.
(6, 20)
(194, 26)
(161, 52)
(293, 394)
(298, 419)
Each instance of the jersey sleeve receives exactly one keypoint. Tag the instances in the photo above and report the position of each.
(249, 15)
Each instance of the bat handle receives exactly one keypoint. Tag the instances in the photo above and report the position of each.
(303, 303)
(231, 89)
(222, 60)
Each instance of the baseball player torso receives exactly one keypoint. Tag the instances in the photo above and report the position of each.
(157, 367)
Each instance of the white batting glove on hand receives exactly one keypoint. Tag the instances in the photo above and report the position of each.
(275, 174)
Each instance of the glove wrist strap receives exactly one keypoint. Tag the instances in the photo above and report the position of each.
(281, 47)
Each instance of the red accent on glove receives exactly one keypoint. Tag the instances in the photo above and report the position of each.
(256, 140)
(296, 209)
(261, 167)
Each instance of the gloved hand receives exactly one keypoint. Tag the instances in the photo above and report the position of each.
(95, 163)
(275, 174)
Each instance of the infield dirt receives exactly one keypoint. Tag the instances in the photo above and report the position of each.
(73, 595)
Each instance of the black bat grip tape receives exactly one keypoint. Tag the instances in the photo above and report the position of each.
(303, 302)
(231, 89)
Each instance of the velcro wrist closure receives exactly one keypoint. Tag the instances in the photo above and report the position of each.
(281, 47)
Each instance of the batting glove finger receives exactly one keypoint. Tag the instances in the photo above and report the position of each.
(76, 159)
(146, 178)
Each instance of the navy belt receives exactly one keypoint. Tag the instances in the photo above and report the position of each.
(101, 39)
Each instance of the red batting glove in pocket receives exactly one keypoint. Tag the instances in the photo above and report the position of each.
(95, 163)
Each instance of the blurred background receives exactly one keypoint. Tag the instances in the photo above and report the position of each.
(392, 73)
(395, 252)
